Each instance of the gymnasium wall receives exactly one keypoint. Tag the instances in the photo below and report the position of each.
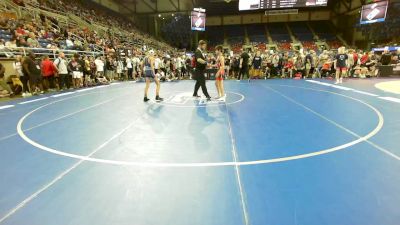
(262, 18)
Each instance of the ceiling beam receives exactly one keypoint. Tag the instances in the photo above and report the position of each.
(346, 4)
(349, 7)
(149, 5)
(336, 9)
(349, 11)
(173, 4)
(124, 4)
(164, 12)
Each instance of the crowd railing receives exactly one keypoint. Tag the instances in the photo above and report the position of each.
(52, 53)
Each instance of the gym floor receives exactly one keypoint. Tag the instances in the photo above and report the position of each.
(277, 152)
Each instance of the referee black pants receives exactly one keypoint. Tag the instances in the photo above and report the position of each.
(244, 72)
(200, 82)
(24, 79)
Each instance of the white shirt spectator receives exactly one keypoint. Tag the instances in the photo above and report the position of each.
(162, 66)
(183, 62)
(350, 60)
(61, 65)
(128, 63)
(178, 63)
(120, 66)
(275, 60)
(69, 43)
(99, 65)
(136, 61)
(10, 44)
(18, 67)
(157, 62)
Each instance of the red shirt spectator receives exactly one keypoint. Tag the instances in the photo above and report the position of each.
(355, 57)
(289, 65)
(48, 68)
(194, 62)
(20, 31)
(364, 59)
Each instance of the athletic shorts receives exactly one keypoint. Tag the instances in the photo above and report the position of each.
(287, 69)
(149, 74)
(221, 76)
(256, 72)
(48, 77)
(77, 74)
(341, 68)
(35, 79)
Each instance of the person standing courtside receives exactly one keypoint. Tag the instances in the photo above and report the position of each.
(62, 66)
(31, 69)
(201, 64)
(341, 64)
(244, 65)
(257, 60)
(150, 74)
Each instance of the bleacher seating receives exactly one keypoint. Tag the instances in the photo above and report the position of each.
(237, 47)
(334, 44)
(215, 35)
(261, 46)
(235, 34)
(5, 35)
(278, 32)
(44, 42)
(256, 33)
(309, 45)
(324, 30)
(301, 31)
(43, 21)
(284, 46)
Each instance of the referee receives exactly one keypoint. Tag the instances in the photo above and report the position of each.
(201, 64)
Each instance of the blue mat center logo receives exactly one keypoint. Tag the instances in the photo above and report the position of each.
(186, 99)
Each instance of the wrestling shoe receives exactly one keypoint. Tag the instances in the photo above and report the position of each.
(222, 99)
(146, 99)
(158, 99)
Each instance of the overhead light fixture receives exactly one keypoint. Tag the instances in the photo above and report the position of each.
(159, 15)
(173, 14)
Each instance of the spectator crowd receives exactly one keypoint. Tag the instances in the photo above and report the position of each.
(306, 63)
(38, 75)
